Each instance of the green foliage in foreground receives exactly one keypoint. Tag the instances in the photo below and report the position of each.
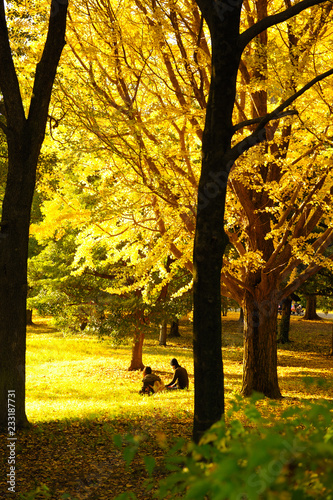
(253, 457)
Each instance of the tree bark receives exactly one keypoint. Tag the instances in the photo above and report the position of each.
(224, 306)
(210, 239)
(260, 348)
(163, 333)
(29, 317)
(285, 321)
(136, 361)
(311, 308)
(24, 140)
(174, 329)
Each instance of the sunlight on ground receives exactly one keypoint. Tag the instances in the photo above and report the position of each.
(78, 378)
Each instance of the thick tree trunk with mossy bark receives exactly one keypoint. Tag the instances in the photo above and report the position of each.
(260, 347)
(24, 140)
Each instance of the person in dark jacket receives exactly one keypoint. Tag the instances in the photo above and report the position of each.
(148, 381)
(180, 378)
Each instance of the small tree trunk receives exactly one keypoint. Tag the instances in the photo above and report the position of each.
(260, 348)
(311, 306)
(241, 316)
(29, 317)
(224, 306)
(285, 321)
(174, 329)
(163, 333)
(136, 361)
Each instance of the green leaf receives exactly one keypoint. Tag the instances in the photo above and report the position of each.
(149, 463)
(118, 440)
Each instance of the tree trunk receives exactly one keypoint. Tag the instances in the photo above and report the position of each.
(311, 306)
(224, 306)
(174, 329)
(29, 317)
(24, 140)
(136, 361)
(260, 349)
(285, 321)
(163, 333)
(241, 316)
(210, 240)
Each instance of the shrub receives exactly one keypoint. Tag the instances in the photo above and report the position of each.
(252, 457)
(289, 457)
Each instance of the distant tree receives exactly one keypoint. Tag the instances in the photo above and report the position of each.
(319, 285)
(284, 327)
(311, 308)
(104, 299)
(174, 328)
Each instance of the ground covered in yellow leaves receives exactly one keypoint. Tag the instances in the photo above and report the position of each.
(80, 395)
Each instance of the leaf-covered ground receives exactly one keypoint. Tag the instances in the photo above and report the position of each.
(80, 395)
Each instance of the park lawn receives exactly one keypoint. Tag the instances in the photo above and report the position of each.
(80, 394)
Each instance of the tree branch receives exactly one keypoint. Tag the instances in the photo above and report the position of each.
(259, 135)
(9, 84)
(253, 121)
(47, 67)
(274, 19)
(291, 99)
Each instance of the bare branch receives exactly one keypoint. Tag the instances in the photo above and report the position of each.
(259, 135)
(9, 84)
(272, 20)
(247, 123)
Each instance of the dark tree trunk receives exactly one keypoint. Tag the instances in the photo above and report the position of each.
(210, 239)
(174, 329)
(311, 308)
(241, 316)
(163, 333)
(285, 321)
(29, 317)
(224, 306)
(260, 348)
(136, 361)
(24, 140)
(218, 156)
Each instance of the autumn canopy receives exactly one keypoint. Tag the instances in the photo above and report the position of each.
(188, 147)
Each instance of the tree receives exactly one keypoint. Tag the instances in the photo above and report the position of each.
(24, 136)
(81, 301)
(218, 157)
(138, 106)
(319, 285)
(127, 185)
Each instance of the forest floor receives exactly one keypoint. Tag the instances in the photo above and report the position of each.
(80, 395)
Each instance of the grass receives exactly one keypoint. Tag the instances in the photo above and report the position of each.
(80, 393)
(70, 377)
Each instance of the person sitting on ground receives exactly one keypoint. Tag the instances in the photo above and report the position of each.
(180, 378)
(151, 383)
